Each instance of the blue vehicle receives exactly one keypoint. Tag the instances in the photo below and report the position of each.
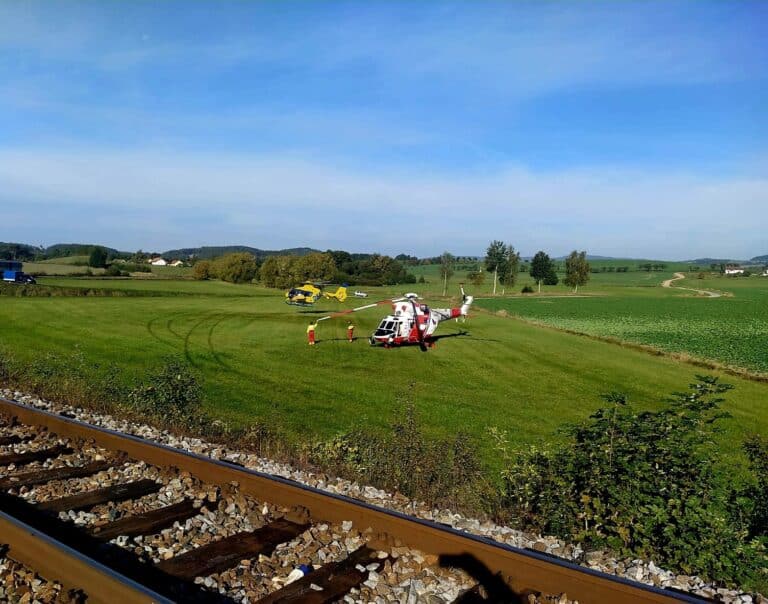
(13, 273)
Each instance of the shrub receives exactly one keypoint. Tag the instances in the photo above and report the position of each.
(551, 278)
(202, 270)
(639, 482)
(527, 289)
(114, 271)
(172, 392)
(130, 267)
(755, 497)
(236, 268)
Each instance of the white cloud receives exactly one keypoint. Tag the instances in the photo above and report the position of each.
(293, 200)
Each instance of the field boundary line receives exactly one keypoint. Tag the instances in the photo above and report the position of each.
(651, 350)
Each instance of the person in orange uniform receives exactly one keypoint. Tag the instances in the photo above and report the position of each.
(350, 332)
(311, 333)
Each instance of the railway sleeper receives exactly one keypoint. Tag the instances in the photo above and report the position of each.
(228, 552)
(15, 439)
(146, 523)
(29, 479)
(330, 582)
(115, 493)
(30, 456)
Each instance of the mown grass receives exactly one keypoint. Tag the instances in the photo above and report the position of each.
(76, 260)
(57, 268)
(170, 286)
(250, 349)
(172, 272)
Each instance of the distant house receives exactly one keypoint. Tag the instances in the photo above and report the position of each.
(177, 263)
(765, 273)
(733, 269)
(158, 262)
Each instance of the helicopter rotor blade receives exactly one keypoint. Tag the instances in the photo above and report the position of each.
(351, 310)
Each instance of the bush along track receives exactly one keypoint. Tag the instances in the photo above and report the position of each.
(642, 484)
(649, 484)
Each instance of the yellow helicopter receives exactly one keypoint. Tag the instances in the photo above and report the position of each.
(309, 293)
(340, 294)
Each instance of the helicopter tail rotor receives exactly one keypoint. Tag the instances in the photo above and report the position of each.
(466, 302)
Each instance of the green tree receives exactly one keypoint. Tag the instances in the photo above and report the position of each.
(542, 268)
(236, 268)
(509, 267)
(314, 267)
(139, 257)
(98, 258)
(447, 263)
(494, 260)
(202, 270)
(576, 270)
(270, 272)
(476, 277)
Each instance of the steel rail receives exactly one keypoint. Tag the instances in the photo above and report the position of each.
(525, 571)
(58, 562)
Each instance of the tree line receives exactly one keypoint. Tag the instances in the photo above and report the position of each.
(287, 271)
(504, 263)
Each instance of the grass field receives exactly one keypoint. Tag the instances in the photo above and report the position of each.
(68, 265)
(731, 329)
(57, 266)
(75, 260)
(251, 350)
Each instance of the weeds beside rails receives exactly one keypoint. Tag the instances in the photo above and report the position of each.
(646, 484)
(438, 472)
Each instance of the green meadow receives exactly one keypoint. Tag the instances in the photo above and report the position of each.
(250, 349)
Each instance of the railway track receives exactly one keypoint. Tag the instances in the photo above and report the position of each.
(109, 517)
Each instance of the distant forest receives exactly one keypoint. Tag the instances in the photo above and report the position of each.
(29, 253)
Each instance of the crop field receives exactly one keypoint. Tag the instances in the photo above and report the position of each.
(732, 329)
(250, 349)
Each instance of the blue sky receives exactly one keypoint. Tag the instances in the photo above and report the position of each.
(623, 128)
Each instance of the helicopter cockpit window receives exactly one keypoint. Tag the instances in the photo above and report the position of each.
(386, 328)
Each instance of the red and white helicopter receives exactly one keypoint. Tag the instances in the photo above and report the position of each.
(410, 323)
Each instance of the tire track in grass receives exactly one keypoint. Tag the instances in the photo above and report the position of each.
(188, 337)
(150, 326)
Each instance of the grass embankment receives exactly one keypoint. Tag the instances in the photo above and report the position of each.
(250, 349)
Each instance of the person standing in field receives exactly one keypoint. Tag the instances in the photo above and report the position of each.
(350, 332)
(311, 332)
